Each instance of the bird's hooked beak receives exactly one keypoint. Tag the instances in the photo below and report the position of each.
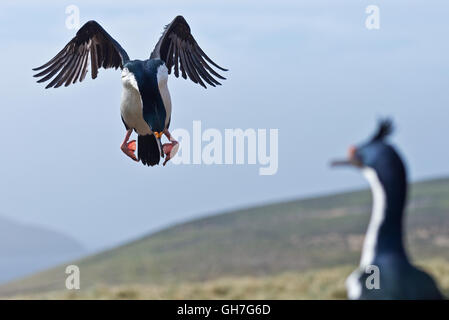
(352, 160)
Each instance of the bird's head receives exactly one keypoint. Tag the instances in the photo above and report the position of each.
(381, 165)
(376, 153)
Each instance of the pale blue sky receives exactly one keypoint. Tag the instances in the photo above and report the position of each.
(310, 69)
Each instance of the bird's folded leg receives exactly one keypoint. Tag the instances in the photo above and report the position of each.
(169, 149)
(129, 148)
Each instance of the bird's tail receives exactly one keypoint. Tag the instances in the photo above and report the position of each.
(148, 149)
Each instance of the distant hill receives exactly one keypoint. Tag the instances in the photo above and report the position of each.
(26, 248)
(291, 236)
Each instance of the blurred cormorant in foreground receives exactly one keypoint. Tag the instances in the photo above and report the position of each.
(383, 246)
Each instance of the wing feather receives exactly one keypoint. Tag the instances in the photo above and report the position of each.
(59, 55)
(208, 67)
(51, 71)
(176, 57)
(187, 65)
(199, 67)
(169, 63)
(61, 73)
(84, 68)
(182, 65)
(79, 68)
(73, 70)
(194, 68)
(93, 59)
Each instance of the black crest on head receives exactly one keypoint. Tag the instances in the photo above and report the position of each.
(385, 128)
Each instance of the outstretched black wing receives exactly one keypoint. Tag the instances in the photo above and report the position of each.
(178, 48)
(71, 63)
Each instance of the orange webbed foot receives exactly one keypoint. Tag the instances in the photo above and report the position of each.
(129, 149)
(170, 150)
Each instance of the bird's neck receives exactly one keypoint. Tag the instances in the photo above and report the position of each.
(385, 230)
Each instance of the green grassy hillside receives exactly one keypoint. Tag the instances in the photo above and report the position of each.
(263, 242)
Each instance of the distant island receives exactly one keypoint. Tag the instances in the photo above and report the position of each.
(26, 248)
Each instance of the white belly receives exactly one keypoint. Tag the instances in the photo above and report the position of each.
(162, 77)
(131, 107)
(353, 286)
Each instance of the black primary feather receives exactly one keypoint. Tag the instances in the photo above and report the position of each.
(385, 128)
